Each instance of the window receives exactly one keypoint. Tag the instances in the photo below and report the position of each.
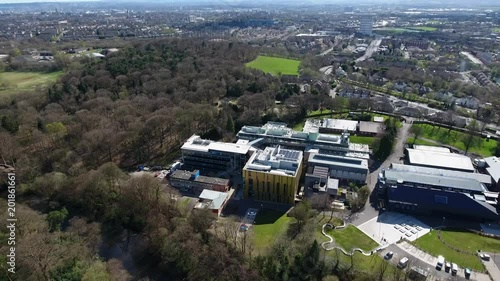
(441, 199)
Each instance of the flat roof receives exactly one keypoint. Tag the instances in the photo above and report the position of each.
(371, 127)
(186, 175)
(432, 148)
(275, 160)
(337, 160)
(378, 119)
(217, 198)
(196, 143)
(493, 167)
(439, 159)
(482, 178)
(340, 124)
(434, 180)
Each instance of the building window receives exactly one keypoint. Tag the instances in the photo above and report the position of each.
(440, 199)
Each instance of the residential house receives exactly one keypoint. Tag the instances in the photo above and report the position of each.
(468, 102)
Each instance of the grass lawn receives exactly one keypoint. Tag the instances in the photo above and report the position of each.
(461, 240)
(25, 81)
(352, 237)
(425, 28)
(299, 126)
(361, 139)
(268, 225)
(275, 66)
(496, 29)
(455, 138)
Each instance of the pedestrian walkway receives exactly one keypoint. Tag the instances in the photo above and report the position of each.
(492, 267)
(432, 261)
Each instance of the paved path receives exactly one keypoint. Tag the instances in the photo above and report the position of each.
(372, 48)
(369, 212)
(492, 266)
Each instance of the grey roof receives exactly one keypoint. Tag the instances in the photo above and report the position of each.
(482, 178)
(493, 167)
(450, 161)
(338, 161)
(216, 198)
(371, 127)
(434, 180)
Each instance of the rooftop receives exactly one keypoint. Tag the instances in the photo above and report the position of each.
(371, 127)
(314, 125)
(482, 178)
(195, 142)
(434, 180)
(493, 167)
(440, 160)
(194, 176)
(216, 199)
(338, 161)
(432, 148)
(275, 160)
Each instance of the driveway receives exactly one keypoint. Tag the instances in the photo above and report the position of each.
(369, 212)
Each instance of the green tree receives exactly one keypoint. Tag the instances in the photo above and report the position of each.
(56, 218)
(97, 271)
(10, 124)
(301, 212)
(416, 130)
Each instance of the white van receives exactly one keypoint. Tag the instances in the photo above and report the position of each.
(440, 262)
(403, 262)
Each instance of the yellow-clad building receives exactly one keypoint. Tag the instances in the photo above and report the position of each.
(273, 174)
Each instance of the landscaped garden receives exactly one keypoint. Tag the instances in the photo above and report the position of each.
(275, 66)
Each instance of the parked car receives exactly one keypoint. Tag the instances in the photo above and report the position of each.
(467, 273)
(243, 227)
(447, 266)
(440, 262)
(454, 268)
(403, 262)
(485, 257)
(389, 255)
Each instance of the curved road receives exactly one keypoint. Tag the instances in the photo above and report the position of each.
(369, 212)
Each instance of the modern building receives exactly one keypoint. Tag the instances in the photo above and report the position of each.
(198, 153)
(367, 128)
(273, 174)
(340, 167)
(366, 24)
(212, 200)
(274, 133)
(438, 159)
(192, 181)
(421, 193)
(482, 178)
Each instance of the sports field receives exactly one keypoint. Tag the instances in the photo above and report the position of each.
(275, 66)
(19, 82)
(425, 28)
(496, 29)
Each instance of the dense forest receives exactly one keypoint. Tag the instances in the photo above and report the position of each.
(71, 144)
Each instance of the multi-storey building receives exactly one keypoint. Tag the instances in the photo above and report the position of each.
(366, 24)
(273, 174)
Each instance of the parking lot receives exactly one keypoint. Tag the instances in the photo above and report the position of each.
(390, 227)
(248, 220)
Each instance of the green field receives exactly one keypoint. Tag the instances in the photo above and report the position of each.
(456, 139)
(269, 224)
(496, 29)
(352, 237)
(395, 30)
(425, 28)
(466, 241)
(18, 82)
(361, 139)
(275, 66)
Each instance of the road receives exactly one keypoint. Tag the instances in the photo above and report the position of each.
(373, 47)
(369, 212)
